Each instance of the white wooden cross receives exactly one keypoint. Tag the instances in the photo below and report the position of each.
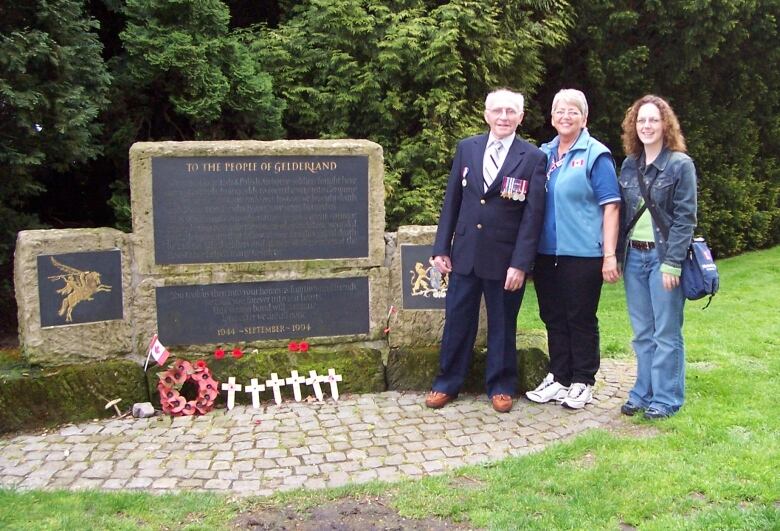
(254, 388)
(314, 381)
(231, 387)
(276, 383)
(332, 378)
(296, 382)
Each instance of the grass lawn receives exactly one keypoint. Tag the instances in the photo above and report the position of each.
(715, 465)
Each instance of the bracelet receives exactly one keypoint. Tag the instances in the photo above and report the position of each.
(610, 255)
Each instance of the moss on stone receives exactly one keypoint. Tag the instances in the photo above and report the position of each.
(410, 368)
(68, 394)
(361, 369)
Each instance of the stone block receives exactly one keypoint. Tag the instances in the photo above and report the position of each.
(68, 394)
(255, 180)
(75, 288)
(410, 368)
(146, 318)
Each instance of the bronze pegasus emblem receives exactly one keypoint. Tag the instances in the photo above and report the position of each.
(79, 286)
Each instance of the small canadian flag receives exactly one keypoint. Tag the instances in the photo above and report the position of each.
(157, 351)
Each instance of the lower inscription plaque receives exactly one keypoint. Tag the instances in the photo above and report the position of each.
(247, 311)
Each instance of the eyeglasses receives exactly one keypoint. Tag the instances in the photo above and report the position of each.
(510, 112)
(571, 113)
(651, 121)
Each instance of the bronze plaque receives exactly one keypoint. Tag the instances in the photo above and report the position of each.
(254, 209)
(247, 311)
(78, 288)
(424, 288)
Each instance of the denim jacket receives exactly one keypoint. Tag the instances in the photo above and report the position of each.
(673, 178)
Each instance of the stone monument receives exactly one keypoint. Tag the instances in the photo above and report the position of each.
(243, 247)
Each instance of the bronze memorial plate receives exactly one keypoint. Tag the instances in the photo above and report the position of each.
(424, 288)
(247, 311)
(76, 288)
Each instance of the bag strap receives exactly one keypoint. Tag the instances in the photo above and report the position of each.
(646, 196)
(633, 221)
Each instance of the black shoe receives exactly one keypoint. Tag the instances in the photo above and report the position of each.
(629, 409)
(655, 414)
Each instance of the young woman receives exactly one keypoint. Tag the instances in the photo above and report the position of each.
(655, 235)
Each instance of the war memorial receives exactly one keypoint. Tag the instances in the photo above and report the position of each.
(240, 247)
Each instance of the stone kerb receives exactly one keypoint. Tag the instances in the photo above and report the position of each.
(253, 206)
(418, 327)
(73, 293)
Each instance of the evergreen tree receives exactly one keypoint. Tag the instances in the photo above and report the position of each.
(710, 60)
(53, 84)
(411, 75)
(184, 75)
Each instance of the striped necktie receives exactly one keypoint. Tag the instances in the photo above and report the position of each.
(491, 163)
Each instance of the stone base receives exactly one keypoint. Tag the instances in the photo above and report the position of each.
(415, 368)
(35, 399)
(361, 370)
(66, 343)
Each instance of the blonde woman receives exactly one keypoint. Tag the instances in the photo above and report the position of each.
(576, 252)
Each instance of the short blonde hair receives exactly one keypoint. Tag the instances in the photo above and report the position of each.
(572, 97)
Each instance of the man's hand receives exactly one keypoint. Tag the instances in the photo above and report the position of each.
(442, 264)
(670, 281)
(514, 279)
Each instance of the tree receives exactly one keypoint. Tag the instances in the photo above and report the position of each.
(184, 75)
(53, 86)
(187, 76)
(410, 75)
(709, 60)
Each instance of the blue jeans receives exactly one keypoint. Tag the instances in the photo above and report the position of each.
(657, 319)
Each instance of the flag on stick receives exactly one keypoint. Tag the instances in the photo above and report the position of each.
(157, 351)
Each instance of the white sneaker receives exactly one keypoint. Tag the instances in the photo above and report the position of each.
(579, 395)
(548, 390)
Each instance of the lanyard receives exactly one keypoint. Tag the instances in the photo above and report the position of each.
(556, 163)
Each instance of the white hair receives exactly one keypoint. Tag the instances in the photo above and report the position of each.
(515, 99)
(572, 97)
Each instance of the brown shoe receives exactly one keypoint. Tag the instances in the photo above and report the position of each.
(502, 403)
(435, 399)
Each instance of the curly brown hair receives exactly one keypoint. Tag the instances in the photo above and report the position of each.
(673, 137)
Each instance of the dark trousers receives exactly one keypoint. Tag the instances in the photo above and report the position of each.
(568, 289)
(464, 293)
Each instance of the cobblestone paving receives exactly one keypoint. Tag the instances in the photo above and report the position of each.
(385, 436)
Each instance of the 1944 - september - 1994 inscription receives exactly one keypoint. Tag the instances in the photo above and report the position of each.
(246, 311)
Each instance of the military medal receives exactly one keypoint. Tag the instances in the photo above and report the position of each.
(514, 188)
(464, 182)
(522, 189)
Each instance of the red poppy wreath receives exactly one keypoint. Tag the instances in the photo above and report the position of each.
(172, 380)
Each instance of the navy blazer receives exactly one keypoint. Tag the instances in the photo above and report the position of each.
(481, 231)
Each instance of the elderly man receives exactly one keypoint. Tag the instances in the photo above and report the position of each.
(487, 238)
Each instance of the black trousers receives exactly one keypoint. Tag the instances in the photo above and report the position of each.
(568, 289)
